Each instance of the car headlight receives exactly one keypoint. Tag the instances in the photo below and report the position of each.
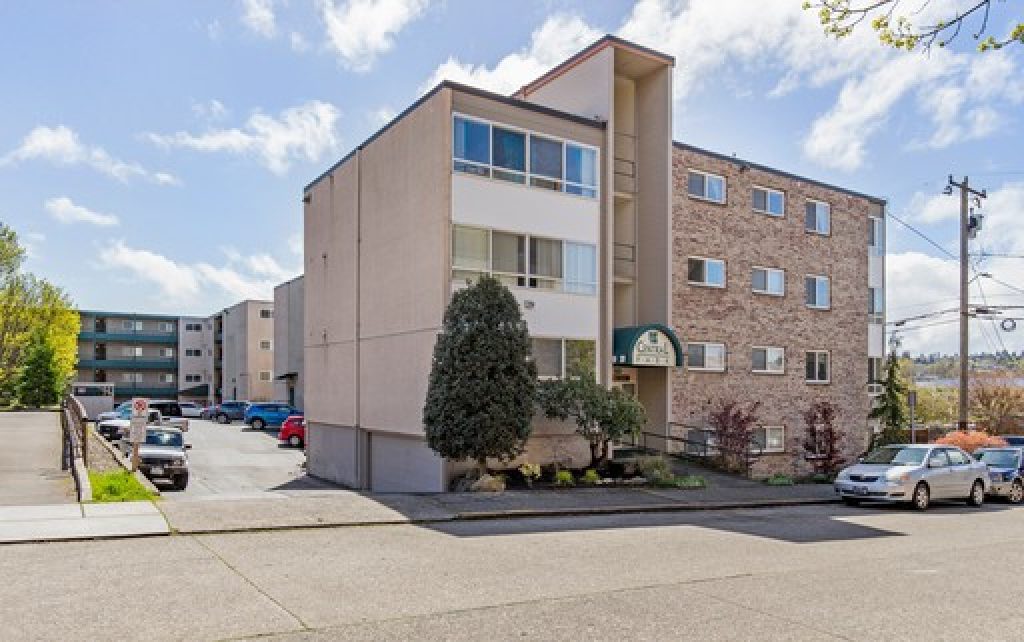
(898, 478)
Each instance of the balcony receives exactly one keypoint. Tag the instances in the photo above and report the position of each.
(625, 164)
(129, 364)
(625, 261)
(123, 390)
(130, 337)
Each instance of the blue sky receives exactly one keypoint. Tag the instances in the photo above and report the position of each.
(152, 155)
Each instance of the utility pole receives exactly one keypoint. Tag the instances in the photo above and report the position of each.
(966, 230)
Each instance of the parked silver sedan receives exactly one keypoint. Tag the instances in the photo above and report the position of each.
(916, 474)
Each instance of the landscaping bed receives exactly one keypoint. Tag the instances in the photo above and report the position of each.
(645, 472)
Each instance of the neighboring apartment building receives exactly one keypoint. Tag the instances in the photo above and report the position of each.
(138, 353)
(195, 354)
(627, 252)
(289, 378)
(243, 352)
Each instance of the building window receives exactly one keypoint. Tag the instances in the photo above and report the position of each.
(560, 358)
(264, 375)
(166, 326)
(484, 149)
(768, 360)
(166, 377)
(876, 236)
(769, 201)
(580, 357)
(580, 268)
(167, 353)
(266, 313)
(876, 305)
(545, 263)
(266, 344)
(769, 439)
(709, 187)
(193, 352)
(193, 378)
(816, 292)
(547, 355)
(193, 327)
(134, 326)
(508, 258)
(818, 219)
(471, 252)
(768, 281)
(707, 272)
(131, 377)
(817, 367)
(705, 356)
(876, 366)
(131, 351)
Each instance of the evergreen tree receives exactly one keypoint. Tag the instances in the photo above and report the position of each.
(891, 406)
(480, 396)
(38, 380)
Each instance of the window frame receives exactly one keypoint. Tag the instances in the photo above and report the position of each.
(528, 174)
(816, 305)
(704, 197)
(563, 358)
(767, 360)
(876, 236)
(193, 378)
(705, 368)
(266, 313)
(828, 231)
(768, 191)
(767, 270)
(269, 377)
(268, 342)
(828, 367)
(765, 450)
(876, 314)
(705, 283)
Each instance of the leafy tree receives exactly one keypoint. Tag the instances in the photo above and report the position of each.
(823, 439)
(891, 405)
(970, 440)
(734, 426)
(935, 405)
(898, 30)
(480, 396)
(601, 415)
(38, 380)
(996, 401)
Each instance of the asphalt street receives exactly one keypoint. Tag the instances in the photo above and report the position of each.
(30, 472)
(232, 460)
(809, 573)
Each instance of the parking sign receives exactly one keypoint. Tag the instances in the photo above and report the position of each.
(140, 415)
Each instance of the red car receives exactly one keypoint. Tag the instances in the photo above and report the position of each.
(293, 431)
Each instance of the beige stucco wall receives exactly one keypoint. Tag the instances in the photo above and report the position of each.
(243, 360)
(288, 339)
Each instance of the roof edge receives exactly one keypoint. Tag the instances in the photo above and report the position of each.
(772, 170)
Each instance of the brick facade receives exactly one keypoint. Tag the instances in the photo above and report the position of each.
(741, 319)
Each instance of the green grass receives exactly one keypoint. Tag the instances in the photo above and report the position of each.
(682, 481)
(117, 486)
(778, 479)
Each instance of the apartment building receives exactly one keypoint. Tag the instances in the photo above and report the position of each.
(195, 356)
(629, 254)
(243, 352)
(289, 381)
(138, 353)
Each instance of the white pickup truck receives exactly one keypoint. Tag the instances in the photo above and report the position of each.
(115, 429)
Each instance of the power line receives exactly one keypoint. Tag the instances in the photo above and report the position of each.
(922, 235)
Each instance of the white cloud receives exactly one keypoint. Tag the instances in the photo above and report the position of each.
(179, 283)
(560, 36)
(61, 146)
(30, 242)
(65, 211)
(360, 30)
(382, 116)
(298, 42)
(211, 110)
(305, 132)
(932, 208)
(258, 16)
(296, 243)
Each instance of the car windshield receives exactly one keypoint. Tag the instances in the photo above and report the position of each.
(125, 413)
(896, 456)
(163, 438)
(998, 458)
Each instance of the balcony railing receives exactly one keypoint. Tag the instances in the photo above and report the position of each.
(129, 364)
(130, 337)
(625, 260)
(144, 390)
(624, 163)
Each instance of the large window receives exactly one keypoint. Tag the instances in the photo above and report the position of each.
(817, 367)
(768, 439)
(132, 325)
(876, 305)
(709, 187)
(518, 260)
(876, 236)
(131, 351)
(818, 218)
(707, 272)
(768, 281)
(705, 356)
(508, 154)
(768, 360)
(768, 201)
(560, 358)
(816, 292)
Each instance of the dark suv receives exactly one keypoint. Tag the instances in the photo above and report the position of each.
(228, 411)
(167, 407)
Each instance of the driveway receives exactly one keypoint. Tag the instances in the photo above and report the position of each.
(234, 461)
(30, 472)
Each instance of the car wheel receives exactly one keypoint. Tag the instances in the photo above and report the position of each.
(850, 501)
(181, 482)
(258, 424)
(1016, 492)
(922, 497)
(223, 419)
(977, 496)
(295, 441)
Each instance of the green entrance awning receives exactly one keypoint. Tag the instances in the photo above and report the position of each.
(651, 344)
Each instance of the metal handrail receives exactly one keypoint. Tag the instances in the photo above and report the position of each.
(703, 448)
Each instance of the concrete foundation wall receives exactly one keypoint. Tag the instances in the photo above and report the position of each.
(404, 464)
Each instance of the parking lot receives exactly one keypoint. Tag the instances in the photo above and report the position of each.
(232, 460)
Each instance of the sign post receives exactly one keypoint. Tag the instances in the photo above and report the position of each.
(912, 403)
(137, 432)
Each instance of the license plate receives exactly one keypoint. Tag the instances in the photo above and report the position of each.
(156, 470)
(861, 490)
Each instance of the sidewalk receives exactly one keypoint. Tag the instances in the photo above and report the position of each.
(61, 522)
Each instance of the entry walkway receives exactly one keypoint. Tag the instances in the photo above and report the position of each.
(30, 452)
(56, 522)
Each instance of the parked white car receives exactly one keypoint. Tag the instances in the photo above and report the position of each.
(115, 413)
(190, 410)
(915, 474)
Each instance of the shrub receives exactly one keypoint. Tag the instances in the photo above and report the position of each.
(970, 440)
(590, 477)
(529, 472)
(654, 468)
(691, 481)
(564, 479)
(778, 479)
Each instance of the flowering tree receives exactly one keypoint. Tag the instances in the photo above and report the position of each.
(823, 440)
(970, 440)
(734, 425)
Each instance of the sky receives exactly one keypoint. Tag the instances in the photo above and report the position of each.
(153, 155)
